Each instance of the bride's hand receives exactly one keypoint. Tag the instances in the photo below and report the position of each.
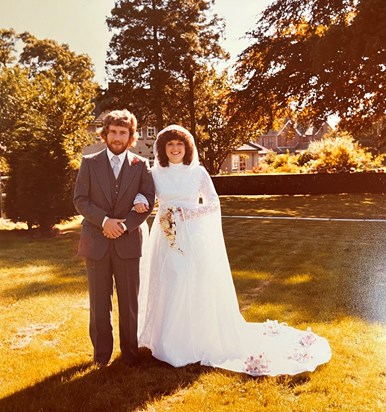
(141, 207)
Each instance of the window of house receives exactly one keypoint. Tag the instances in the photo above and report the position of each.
(151, 132)
(140, 135)
(243, 163)
(235, 163)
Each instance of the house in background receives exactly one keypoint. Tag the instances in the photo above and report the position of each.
(243, 158)
(291, 138)
(288, 138)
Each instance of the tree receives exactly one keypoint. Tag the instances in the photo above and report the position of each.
(155, 50)
(218, 132)
(44, 113)
(7, 46)
(319, 57)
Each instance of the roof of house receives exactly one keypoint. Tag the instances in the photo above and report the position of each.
(252, 147)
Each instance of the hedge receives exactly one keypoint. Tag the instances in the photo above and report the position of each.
(293, 184)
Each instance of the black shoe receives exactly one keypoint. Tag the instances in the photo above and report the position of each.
(100, 365)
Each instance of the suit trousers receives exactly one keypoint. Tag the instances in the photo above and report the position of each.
(101, 276)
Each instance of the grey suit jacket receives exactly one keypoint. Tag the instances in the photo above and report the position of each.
(92, 199)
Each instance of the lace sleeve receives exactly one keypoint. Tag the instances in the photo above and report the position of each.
(140, 198)
(210, 201)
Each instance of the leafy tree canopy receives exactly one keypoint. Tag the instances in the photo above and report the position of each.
(46, 94)
(44, 78)
(317, 57)
(218, 131)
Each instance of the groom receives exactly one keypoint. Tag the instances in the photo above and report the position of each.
(111, 237)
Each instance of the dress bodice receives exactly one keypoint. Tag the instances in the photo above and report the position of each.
(179, 185)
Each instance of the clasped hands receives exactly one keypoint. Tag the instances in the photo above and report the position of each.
(113, 229)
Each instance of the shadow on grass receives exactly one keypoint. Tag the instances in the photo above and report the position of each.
(320, 271)
(41, 266)
(119, 388)
(114, 388)
(45, 287)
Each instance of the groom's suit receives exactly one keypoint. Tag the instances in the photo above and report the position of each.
(99, 194)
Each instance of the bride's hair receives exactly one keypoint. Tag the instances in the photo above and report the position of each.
(168, 135)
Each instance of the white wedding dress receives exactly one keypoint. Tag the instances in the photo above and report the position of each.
(192, 313)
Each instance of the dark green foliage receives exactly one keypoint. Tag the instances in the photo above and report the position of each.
(45, 109)
(39, 189)
(156, 49)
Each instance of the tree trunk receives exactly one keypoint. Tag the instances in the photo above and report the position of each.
(191, 98)
(158, 98)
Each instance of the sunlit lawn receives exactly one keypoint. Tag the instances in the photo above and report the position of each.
(327, 275)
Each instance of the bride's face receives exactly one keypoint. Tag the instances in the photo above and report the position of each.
(175, 151)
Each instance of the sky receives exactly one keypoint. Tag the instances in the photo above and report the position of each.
(82, 24)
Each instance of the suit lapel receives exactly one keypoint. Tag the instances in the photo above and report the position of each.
(101, 166)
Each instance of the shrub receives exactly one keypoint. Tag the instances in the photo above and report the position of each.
(278, 163)
(39, 188)
(339, 152)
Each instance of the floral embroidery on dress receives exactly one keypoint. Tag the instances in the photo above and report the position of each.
(273, 327)
(301, 355)
(198, 212)
(257, 365)
(308, 338)
(168, 225)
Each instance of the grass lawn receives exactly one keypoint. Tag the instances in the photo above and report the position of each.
(329, 275)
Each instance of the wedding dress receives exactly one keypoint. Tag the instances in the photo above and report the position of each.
(192, 312)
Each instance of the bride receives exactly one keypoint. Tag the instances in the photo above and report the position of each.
(191, 308)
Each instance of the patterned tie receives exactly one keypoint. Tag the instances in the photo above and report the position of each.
(116, 161)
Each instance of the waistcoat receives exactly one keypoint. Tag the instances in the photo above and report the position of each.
(115, 184)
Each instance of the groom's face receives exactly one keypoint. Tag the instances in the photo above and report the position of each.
(117, 139)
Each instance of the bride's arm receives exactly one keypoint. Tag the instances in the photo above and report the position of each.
(210, 200)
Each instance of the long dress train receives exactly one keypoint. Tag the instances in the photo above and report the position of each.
(192, 312)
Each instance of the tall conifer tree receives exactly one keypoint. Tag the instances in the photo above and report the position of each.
(156, 48)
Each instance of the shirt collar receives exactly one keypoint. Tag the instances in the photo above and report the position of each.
(121, 156)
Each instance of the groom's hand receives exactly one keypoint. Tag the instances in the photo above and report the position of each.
(113, 228)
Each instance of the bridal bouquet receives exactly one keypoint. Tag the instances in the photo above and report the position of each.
(168, 226)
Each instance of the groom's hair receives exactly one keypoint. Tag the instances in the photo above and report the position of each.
(121, 118)
(168, 135)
